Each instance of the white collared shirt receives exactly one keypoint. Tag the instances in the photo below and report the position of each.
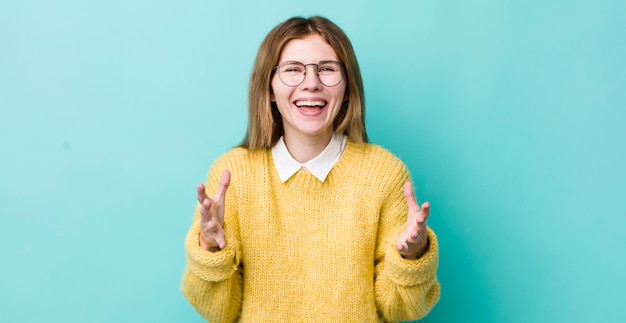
(320, 166)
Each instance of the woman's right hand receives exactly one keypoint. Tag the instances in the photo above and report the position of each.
(212, 210)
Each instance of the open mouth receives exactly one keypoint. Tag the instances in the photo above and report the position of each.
(310, 104)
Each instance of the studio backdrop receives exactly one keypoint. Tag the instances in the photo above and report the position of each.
(509, 115)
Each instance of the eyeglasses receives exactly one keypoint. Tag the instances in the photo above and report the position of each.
(292, 73)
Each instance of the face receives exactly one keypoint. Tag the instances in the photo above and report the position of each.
(309, 109)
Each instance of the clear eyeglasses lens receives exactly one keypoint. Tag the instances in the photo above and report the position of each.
(293, 73)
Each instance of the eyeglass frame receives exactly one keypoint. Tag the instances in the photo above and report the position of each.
(317, 71)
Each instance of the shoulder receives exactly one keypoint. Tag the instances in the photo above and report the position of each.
(374, 164)
(376, 156)
(379, 152)
(241, 162)
(240, 156)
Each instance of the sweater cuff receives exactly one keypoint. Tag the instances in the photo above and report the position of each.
(407, 272)
(210, 266)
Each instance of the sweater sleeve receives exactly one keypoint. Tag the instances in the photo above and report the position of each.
(212, 281)
(405, 289)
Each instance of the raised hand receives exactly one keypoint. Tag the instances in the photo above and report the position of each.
(412, 243)
(212, 210)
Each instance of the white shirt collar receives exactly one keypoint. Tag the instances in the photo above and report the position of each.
(319, 166)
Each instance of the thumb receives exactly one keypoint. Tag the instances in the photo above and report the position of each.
(410, 197)
(223, 186)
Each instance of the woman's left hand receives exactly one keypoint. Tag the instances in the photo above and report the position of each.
(413, 242)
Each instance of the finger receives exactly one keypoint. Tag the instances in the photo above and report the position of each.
(425, 212)
(224, 183)
(205, 208)
(401, 245)
(216, 234)
(410, 197)
(220, 240)
(212, 236)
(212, 225)
(201, 193)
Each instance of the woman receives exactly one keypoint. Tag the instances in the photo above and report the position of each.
(309, 222)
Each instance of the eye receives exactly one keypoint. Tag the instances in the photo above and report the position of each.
(329, 67)
(292, 68)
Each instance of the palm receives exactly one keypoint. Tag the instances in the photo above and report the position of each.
(212, 223)
(412, 242)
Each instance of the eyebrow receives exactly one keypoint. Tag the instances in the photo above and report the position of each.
(320, 62)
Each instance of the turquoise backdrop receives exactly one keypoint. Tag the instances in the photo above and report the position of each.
(510, 116)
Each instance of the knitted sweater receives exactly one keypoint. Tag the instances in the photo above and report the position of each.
(311, 251)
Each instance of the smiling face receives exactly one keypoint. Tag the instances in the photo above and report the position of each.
(309, 109)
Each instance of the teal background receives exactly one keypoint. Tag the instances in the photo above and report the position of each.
(509, 115)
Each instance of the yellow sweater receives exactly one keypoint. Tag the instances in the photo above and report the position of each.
(307, 251)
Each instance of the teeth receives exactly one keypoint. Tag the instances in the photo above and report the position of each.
(311, 103)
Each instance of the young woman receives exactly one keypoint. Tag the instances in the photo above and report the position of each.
(309, 222)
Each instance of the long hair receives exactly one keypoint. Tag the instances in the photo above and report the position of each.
(265, 124)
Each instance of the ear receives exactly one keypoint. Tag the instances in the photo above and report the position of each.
(272, 98)
(345, 96)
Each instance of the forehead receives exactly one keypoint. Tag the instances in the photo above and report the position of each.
(310, 49)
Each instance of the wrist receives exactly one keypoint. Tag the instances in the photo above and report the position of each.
(207, 246)
(419, 253)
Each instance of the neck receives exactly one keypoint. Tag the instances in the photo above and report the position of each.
(305, 148)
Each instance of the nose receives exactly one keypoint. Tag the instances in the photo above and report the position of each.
(311, 79)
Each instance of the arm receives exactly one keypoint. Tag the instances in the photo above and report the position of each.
(405, 289)
(212, 281)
